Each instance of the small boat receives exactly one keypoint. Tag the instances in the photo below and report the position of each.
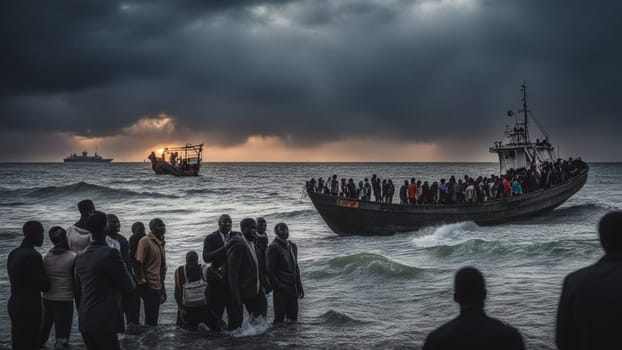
(351, 216)
(182, 161)
(85, 158)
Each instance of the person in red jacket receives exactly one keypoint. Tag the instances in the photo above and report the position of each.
(412, 192)
(507, 188)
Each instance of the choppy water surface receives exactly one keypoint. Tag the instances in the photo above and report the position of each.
(361, 292)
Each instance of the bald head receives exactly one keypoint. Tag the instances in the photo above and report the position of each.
(610, 232)
(33, 233)
(469, 286)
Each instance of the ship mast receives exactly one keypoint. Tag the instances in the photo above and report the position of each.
(525, 111)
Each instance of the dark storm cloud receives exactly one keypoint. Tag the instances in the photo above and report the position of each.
(314, 71)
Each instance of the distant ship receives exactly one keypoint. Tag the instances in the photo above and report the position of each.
(85, 158)
(353, 216)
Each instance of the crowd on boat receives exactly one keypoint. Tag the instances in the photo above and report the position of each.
(515, 182)
(107, 276)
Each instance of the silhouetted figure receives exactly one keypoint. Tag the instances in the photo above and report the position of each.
(473, 329)
(28, 280)
(191, 280)
(101, 279)
(58, 264)
(77, 235)
(215, 248)
(151, 270)
(261, 242)
(133, 299)
(243, 277)
(590, 307)
(282, 263)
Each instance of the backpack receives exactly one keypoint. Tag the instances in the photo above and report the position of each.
(193, 293)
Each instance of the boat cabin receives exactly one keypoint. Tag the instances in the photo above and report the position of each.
(517, 150)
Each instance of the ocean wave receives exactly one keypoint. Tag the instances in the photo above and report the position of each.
(469, 247)
(336, 318)
(366, 265)
(449, 234)
(80, 188)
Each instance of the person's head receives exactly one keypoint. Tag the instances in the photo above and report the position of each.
(261, 225)
(114, 226)
(406, 182)
(412, 180)
(192, 258)
(58, 236)
(610, 232)
(225, 223)
(138, 228)
(469, 287)
(33, 233)
(157, 227)
(86, 207)
(281, 230)
(96, 224)
(248, 227)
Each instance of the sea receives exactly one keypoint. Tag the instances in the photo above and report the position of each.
(385, 292)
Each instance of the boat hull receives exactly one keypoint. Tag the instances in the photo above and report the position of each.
(359, 217)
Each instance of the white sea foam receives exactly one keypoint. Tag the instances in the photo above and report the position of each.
(450, 234)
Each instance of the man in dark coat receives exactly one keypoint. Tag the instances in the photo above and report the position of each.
(101, 279)
(588, 316)
(473, 329)
(28, 280)
(284, 275)
(243, 277)
(261, 242)
(215, 247)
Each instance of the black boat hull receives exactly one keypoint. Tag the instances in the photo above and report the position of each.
(359, 217)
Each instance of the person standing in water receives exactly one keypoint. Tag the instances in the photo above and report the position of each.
(215, 246)
(151, 270)
(243, 277)
(28, 279)
(101, 280)
(133, 299)
(282, 262)
(58, 300)
(261, 242)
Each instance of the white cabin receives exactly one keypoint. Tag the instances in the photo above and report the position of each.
(517, 150)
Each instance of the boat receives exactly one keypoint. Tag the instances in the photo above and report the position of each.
(178, 161)
(353, 216)
(85, 158)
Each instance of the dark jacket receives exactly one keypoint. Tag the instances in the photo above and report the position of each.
(590, 307)
(214, 251)
(26, 273)
(101, 279)
(261, 242)
(241, 271)
(473, 329)
(282, 265)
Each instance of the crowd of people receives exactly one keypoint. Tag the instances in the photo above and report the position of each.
(463, 190)
(108, 276)
(98, 277)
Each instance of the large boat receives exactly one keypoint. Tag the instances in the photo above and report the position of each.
(178, 161)
(85, 158)
(354, 216)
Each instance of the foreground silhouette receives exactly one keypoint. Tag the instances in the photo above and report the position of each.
(473, 329)
(590, 307)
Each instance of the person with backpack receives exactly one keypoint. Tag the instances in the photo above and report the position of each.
(191, 295)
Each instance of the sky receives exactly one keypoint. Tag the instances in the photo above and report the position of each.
(316, 80)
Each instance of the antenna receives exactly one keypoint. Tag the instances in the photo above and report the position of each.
(525, 111)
